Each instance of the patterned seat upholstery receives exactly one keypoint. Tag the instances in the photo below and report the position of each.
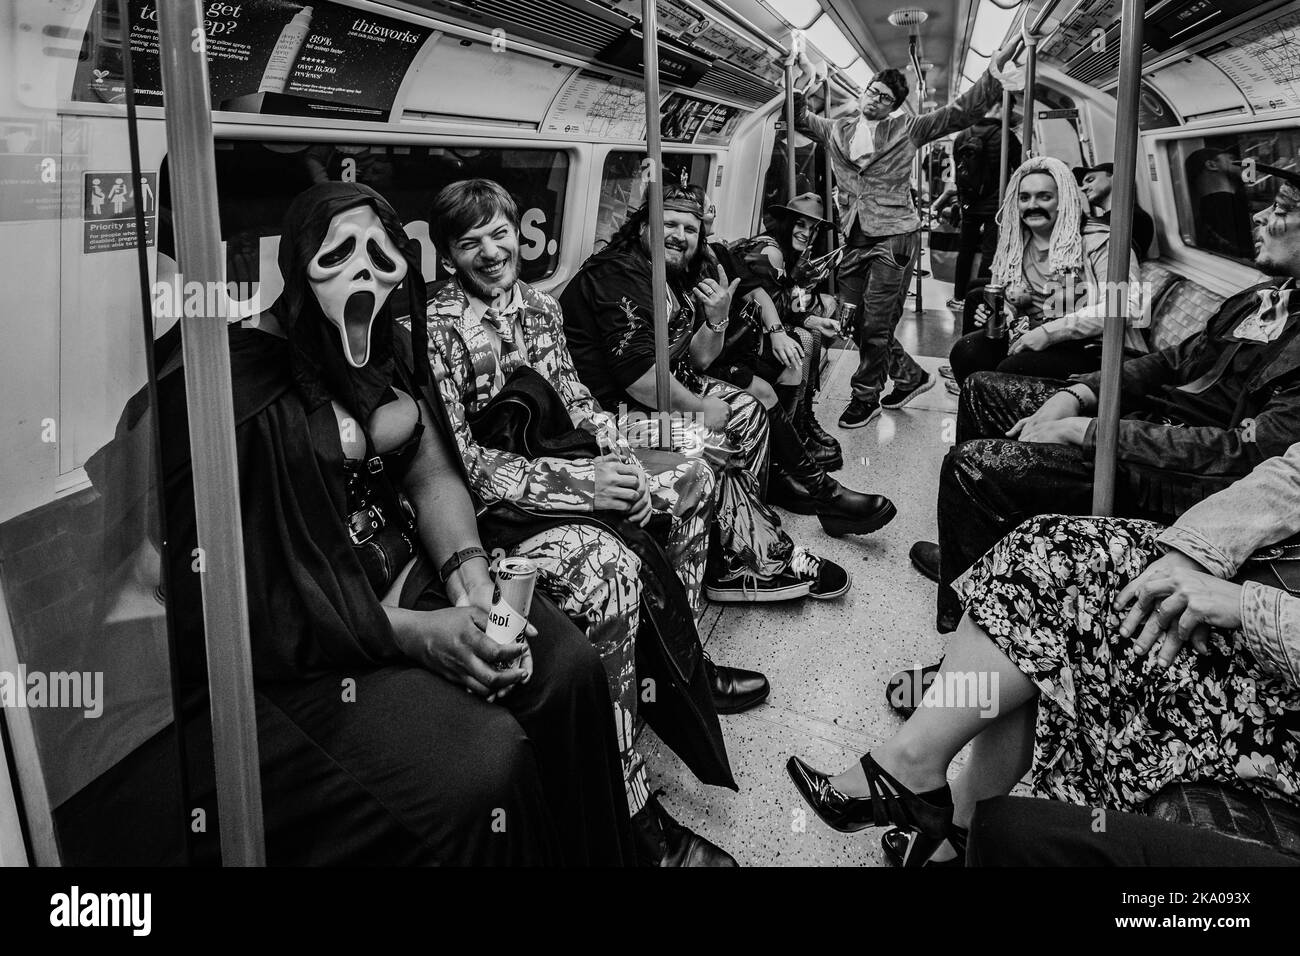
(1181, 307)
(1233, 813)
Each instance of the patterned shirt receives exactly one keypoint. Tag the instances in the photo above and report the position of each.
(463, 352)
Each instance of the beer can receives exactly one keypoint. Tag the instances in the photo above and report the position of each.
(846, 312)
(511, 601)
(995, 298)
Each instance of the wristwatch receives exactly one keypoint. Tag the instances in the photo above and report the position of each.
(456, 560)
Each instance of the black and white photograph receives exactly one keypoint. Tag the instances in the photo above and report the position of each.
(588, 434)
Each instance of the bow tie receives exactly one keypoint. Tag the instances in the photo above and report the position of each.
(503, 323)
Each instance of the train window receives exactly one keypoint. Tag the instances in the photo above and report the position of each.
(809, 175)
(622, 186)
(1217, 192)
(256, 181)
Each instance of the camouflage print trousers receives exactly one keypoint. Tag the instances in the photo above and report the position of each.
(594, 578)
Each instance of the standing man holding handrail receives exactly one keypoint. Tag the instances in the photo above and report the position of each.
(871, 156)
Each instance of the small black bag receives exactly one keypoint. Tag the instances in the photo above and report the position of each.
(1277, 566)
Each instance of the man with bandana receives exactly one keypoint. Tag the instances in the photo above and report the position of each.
(609, 321)
(485, 323)
(871, 155)
(1194, 417)
(364, 568)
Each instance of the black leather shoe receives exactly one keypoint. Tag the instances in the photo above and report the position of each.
(895, 842)
(845, 511)
(735, 689)
(928, 813)
(662, 841)
(925, 558)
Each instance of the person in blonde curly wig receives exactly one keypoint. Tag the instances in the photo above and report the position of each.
(1052, 260)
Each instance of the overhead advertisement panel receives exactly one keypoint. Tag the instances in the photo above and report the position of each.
(1264, 62)
(266, 56)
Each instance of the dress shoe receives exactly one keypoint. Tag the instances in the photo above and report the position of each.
(928, 813)
(925, 558)
(895, 842)
(662, 841)
(735, 689)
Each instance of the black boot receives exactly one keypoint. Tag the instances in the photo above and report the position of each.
(800, 485)
(662, 841)
(823, 447)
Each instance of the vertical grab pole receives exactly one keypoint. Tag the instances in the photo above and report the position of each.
(655, 197)
(917, 169)
(187, 112)
(1121, 235)
(1004, 173)
(791, 180)
(832, 238)
(1031, 77)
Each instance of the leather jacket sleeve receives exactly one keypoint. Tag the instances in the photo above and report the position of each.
(1208, 451)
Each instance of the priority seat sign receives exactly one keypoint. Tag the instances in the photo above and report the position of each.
(109, 210)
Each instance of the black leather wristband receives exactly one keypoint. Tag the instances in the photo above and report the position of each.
(456, 560)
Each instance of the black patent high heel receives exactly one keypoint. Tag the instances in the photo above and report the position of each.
(897, 842)
(929, 814)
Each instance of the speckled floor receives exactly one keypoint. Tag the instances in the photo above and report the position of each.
(828, 661)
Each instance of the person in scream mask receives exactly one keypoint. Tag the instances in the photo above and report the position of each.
(363, 565)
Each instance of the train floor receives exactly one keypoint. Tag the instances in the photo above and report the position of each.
(828, 660)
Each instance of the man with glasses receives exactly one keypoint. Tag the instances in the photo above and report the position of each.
(871, 159)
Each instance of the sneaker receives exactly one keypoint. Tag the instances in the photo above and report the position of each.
(748, 588)
(858, 413)
(898, 397)
(953, 388)
(828, 579)
(945, 371)
(956, 304)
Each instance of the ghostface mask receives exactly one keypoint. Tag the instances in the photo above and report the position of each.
(352, 274)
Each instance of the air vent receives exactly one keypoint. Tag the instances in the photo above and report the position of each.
(908, 17)
(732, 83)
(574, 27)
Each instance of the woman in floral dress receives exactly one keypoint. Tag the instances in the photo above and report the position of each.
(1108, 658)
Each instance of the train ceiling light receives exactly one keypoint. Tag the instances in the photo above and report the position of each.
(908, 17)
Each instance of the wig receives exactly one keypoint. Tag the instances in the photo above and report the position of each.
(1065, 253)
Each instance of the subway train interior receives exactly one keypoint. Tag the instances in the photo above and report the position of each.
(185, 651)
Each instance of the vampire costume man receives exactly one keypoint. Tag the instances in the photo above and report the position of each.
(333, 439)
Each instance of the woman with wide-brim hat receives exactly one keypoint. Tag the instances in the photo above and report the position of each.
(778, 358)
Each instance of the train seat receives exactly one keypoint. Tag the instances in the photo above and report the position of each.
(1238, 814)
(1180, 307)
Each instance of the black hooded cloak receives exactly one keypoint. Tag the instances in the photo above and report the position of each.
(408, 768)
